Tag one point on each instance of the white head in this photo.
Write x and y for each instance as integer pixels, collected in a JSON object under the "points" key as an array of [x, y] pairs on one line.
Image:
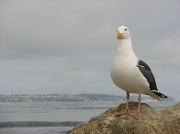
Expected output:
{"points": [[123, 33]]}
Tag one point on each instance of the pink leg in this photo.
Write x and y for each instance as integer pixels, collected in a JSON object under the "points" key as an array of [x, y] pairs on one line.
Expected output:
{"points": [[136, 114], [139, 102], [124, 110]]}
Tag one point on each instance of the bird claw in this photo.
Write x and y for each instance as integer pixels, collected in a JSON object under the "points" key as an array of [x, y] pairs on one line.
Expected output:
{"points": [[121, 112], [134, 114]]}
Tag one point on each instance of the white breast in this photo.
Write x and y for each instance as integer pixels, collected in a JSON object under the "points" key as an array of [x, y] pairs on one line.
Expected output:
{"points": [[126, 75]]}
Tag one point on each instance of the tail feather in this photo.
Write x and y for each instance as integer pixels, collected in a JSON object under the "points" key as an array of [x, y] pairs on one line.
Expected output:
{"points": [[157, 95]]}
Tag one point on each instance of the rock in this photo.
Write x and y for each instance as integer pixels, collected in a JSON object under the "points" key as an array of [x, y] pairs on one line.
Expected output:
{"points": [[151, 121]]}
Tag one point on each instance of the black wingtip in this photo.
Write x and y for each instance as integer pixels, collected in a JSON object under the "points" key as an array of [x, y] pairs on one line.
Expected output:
{"points": [[160, 94]]}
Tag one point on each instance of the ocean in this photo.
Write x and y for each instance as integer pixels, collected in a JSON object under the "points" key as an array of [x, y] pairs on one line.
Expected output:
{"points": [[55, 112]]}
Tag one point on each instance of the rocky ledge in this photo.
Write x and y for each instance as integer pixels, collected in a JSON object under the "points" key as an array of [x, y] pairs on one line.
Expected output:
{"points": [[151, 121]]}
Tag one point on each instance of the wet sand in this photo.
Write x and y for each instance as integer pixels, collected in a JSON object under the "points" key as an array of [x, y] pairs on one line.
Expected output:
{"points": [[35, 130], [38, 124], [31, 127]]}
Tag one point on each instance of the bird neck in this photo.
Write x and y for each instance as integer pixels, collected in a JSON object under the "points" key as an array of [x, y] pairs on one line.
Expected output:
{"points": [[124, 49]]}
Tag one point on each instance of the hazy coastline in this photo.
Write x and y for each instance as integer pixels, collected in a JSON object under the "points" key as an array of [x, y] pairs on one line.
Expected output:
{"points": [[71, 98]]}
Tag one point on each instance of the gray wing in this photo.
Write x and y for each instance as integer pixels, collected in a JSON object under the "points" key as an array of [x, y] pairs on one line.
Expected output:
{"points": [[146, 71]]}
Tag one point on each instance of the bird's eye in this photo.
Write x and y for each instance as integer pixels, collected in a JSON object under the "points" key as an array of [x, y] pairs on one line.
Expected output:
{"points": [[125, 29]]}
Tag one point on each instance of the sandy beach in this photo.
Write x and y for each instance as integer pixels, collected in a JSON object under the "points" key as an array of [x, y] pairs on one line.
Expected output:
{"points": [[35, 130], [31, 127]]}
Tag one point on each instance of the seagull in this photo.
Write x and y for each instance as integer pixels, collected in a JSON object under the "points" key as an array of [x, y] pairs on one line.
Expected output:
{"points": [[132, 74]]}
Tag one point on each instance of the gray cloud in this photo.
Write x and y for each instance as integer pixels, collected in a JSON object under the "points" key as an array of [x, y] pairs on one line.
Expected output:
{"points": [[67, 46]]}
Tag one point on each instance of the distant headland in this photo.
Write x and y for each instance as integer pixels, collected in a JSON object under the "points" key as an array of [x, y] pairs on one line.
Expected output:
{"points": [[71, 98]]}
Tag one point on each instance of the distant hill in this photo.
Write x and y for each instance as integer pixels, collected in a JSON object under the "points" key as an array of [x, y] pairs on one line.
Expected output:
{"points": [[71, 98]]}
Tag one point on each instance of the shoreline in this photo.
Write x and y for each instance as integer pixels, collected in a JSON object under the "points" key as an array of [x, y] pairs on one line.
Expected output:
{"points": [[39, 124]]}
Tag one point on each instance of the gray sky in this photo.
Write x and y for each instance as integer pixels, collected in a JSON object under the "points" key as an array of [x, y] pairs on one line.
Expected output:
{"points": [[67, 47]]}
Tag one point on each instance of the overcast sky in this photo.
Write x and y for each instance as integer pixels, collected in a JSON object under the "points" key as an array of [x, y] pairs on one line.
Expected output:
{"points": [[67, 47]]}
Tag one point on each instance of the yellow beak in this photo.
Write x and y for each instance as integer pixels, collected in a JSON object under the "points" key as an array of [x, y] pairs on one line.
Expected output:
{"points": [[119, 35]]}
